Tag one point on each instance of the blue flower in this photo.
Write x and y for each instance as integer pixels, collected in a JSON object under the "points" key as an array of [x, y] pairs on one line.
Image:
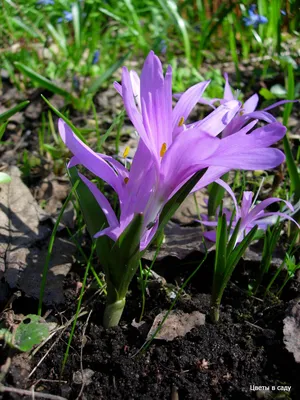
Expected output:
{"points": [[68, 17], [254, 19], [45, 2], [96, 57], [163, 47]]}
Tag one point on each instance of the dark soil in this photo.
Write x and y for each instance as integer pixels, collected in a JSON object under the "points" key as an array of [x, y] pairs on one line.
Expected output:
{"points": [[219, 361]]}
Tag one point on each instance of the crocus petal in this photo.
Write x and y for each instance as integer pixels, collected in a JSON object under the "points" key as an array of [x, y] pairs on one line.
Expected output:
{"points": [[187, 102], [187, 155], [228, 190], [279, 103], [227, 90], [264, 204], [256, 159], [135, 84], [131, 108], [136, 88], [210, 176], [246, 203], [118, 87], [217, 120], [148, 236], [156, 99], [117, 166], [88, 158], [207, 223], [251, 104], [102, 201], [113, 233], [237, 124], [244, 151], [260, 137], [261, 115], [210, 235], [270, 221]]}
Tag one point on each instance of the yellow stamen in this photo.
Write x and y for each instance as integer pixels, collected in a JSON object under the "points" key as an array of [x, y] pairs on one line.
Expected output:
{"points": [[163, 149], [181, 121], [126, 180], [126, 151]]}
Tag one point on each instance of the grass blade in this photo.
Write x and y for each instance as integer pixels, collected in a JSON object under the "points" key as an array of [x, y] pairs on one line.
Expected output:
{"points": [[42, 81], [291, 165], [95, 86], [9, 113], [60, 115], [50, 248]]}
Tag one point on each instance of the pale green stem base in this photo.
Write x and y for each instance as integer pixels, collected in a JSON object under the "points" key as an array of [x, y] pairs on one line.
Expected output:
{"points": [[215, 312], [113, 313]]}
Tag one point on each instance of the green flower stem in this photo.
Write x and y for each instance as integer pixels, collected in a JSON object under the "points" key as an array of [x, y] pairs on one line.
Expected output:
{"points": [[113, 312], [215, 311]]}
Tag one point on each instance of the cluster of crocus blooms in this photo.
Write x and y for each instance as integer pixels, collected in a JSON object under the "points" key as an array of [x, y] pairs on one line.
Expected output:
{"points": [[250, 215], [170, 150]]}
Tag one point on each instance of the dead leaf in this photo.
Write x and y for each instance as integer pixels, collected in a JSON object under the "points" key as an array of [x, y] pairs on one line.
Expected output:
{"points": [[34, 110], [179, 242], [54, 191], [291, 329], [22, 251], [177, 324], [187, 212], [85, 376], [60, 264]]}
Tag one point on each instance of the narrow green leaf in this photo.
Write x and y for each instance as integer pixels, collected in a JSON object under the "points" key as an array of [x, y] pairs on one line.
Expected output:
{"points": [[171, 9], [115, 122], [240, 249], [216, 194], [2, 129], [99, 81], [221, 251], [128, 255], [291, 165], [60, 115], [136, 21], [59, 38], [28, 29], [94, 217], [9, 113], [42, 81], [50, 248], [76, 23], [233, 238], [172, 205]]}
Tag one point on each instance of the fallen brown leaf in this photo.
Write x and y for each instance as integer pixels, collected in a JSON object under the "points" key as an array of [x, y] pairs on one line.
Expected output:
{"points": [[177, 324]]}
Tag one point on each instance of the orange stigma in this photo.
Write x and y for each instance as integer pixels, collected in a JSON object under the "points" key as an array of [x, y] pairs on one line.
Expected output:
{"points": [[163, 149], [181, 121]]}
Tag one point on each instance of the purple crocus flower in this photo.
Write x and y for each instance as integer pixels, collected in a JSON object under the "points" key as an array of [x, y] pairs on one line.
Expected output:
{"points": [[254, 19], [169, 152], [247, 111], [250, 215]]}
